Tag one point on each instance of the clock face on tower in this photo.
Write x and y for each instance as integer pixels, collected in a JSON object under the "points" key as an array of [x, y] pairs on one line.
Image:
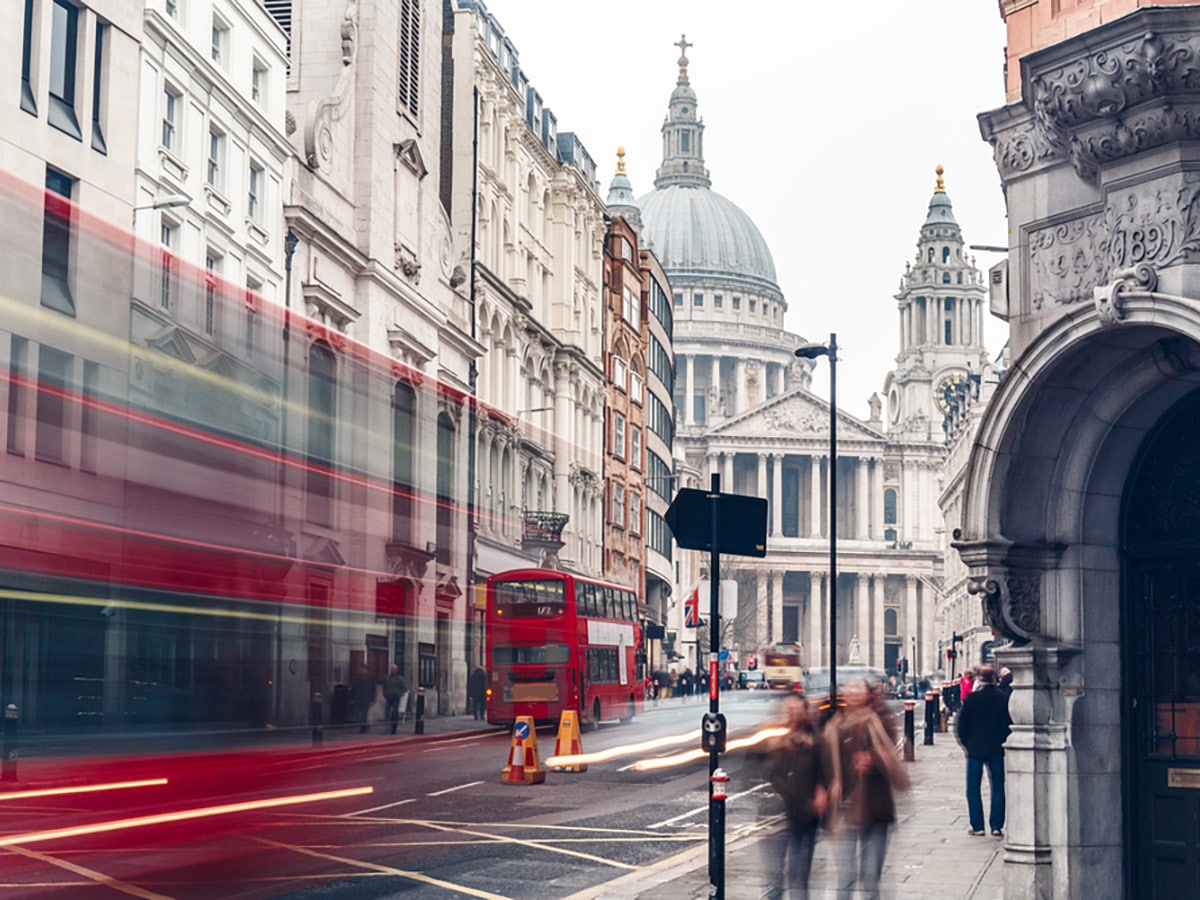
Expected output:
{"points": [[948, 389]]}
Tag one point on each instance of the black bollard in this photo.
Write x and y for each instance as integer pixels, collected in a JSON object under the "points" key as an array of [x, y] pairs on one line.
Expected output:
{"points": [[910, 733], [8, 770], [930, 716], [314, 717], [419, 726]]}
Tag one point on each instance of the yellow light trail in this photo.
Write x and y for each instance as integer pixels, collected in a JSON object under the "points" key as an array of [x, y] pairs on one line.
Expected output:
{"points": [[688, 756], [181, 816], [82, 789], [622, 750]]}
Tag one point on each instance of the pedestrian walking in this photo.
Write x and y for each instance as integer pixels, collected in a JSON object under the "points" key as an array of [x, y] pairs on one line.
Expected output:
{"points": [[966, 686], [866, 773], [394, 688], [362, 695], [1005, 682], [983, 727], [477, 692], [685, 683], [798, 770]]}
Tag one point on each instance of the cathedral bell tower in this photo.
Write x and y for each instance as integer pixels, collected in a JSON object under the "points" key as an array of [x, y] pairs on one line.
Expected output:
{"points": [[941, 306], [683, 134]]}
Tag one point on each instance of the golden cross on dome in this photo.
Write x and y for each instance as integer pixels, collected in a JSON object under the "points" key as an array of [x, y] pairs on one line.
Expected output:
{"points": [[940, 187], [620, 159]]}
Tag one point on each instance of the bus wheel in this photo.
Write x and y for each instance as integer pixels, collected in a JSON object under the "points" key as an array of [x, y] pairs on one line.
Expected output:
{"points": [[628, 717]]}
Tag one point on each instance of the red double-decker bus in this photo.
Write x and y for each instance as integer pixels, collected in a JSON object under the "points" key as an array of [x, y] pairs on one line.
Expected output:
{"points": [[559, 641]]}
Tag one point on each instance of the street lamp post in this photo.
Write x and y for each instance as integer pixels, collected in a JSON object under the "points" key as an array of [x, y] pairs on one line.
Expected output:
{"points": [[812, 351]]}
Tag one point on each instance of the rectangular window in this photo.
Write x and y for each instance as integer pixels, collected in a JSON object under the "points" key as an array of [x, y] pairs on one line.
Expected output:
{"points": [[56, 243], [697, 299], [18, 393], [98, 143], [28, 103], [737, 302], [172, 8], [258, 82], [635, 514], [948, 328], [252, 287], [619, 371], [53, 367], [89, 425], [635, 446], [212, 265], [254, 192], [718, 301], [171, 106], [220, 42], [679, 299], [64, 51], [617, 507], [216, 152], [618, 436], [753, 306], [167, 279], [685, 141], [636, 387], [410, 56]]}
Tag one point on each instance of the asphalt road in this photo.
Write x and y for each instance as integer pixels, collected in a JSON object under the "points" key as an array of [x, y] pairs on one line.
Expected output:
{"points": [[437, 821]]}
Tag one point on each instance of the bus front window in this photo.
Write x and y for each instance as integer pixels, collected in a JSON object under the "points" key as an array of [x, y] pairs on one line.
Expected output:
{"points": [[529, 598]]}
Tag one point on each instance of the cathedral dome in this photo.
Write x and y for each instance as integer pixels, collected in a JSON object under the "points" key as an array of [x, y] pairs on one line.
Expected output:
{"points": [[696, 230]]}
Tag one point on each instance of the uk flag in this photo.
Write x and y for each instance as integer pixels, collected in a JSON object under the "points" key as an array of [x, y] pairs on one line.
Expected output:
{"points": [[691, 610]]}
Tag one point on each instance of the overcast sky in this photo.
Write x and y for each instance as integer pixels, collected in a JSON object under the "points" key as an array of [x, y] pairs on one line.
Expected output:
{"points": [[823, 121]]}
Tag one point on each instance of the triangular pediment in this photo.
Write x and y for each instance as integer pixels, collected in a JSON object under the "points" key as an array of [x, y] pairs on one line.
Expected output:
{"points": [[794, 414], [410, 154], [173, 343]]}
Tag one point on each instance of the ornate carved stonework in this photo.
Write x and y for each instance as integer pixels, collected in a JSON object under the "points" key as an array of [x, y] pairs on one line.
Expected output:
{"points": [[1011, 603], [1067, 261], [807, 421], [1155, 224], [1108, 298]]}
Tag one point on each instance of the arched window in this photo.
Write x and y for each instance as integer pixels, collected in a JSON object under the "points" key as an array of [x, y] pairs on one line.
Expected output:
{"points": [[945, 254], [890, 625], [445, 486], [930, 254], [322, 386], [404, 429], [889, 506]]}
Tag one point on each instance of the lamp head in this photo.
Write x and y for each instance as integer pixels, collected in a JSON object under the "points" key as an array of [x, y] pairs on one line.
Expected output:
{"points": [[812, 351]]}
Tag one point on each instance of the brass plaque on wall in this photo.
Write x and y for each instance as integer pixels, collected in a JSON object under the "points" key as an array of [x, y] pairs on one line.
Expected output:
{"points": [[1183, 778]]}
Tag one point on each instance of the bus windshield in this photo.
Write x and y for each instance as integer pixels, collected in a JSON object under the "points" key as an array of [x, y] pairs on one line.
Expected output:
{"points": [[529, 598], [531, 654]]}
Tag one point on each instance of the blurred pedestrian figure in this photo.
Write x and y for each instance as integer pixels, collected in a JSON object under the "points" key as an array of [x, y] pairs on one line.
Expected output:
{"points": [[477, 692], [702, 684], [966, 685], [685, 683], [1005, 683], [866, 773], [798, 769], [394, 688], [983, 727], [362, 695]]}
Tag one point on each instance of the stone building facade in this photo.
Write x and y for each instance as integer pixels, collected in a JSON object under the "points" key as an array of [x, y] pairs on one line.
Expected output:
{"points": [[1076, 527], [538, 237]]}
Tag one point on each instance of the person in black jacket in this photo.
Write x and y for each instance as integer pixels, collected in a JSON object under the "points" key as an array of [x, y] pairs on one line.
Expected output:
{"points": [[983, 727]]}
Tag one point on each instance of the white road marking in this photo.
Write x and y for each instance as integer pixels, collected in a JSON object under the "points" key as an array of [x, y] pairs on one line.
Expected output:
{"points": [[702, 809], [98, 877], [436, 748], [363, 812], [448, 790]]}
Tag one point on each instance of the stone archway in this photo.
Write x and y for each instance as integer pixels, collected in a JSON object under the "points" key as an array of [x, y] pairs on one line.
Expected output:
{"points": [[1041, 535]]}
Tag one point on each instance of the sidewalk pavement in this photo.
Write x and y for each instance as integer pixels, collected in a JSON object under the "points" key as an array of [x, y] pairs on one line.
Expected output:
{"points": [[929, 855]]}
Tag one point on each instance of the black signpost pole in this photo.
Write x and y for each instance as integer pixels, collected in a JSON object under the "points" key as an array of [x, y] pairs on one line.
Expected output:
{"points": [[716, 805]]}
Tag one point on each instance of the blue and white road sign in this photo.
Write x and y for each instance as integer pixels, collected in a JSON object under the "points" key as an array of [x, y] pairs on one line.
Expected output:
{"points": [[521, 731]]}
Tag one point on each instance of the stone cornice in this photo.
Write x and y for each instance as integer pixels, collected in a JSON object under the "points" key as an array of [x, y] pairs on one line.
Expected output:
{"points": [[1123, 88]]}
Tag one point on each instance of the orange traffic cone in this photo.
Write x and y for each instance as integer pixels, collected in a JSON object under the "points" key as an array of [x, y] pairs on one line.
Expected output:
{"points": [[523, 764], [568, 743], [514, 772]]}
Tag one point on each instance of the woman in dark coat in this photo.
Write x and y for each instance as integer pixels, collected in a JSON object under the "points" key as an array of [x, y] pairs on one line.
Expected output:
{"points": [[797, 768]]}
